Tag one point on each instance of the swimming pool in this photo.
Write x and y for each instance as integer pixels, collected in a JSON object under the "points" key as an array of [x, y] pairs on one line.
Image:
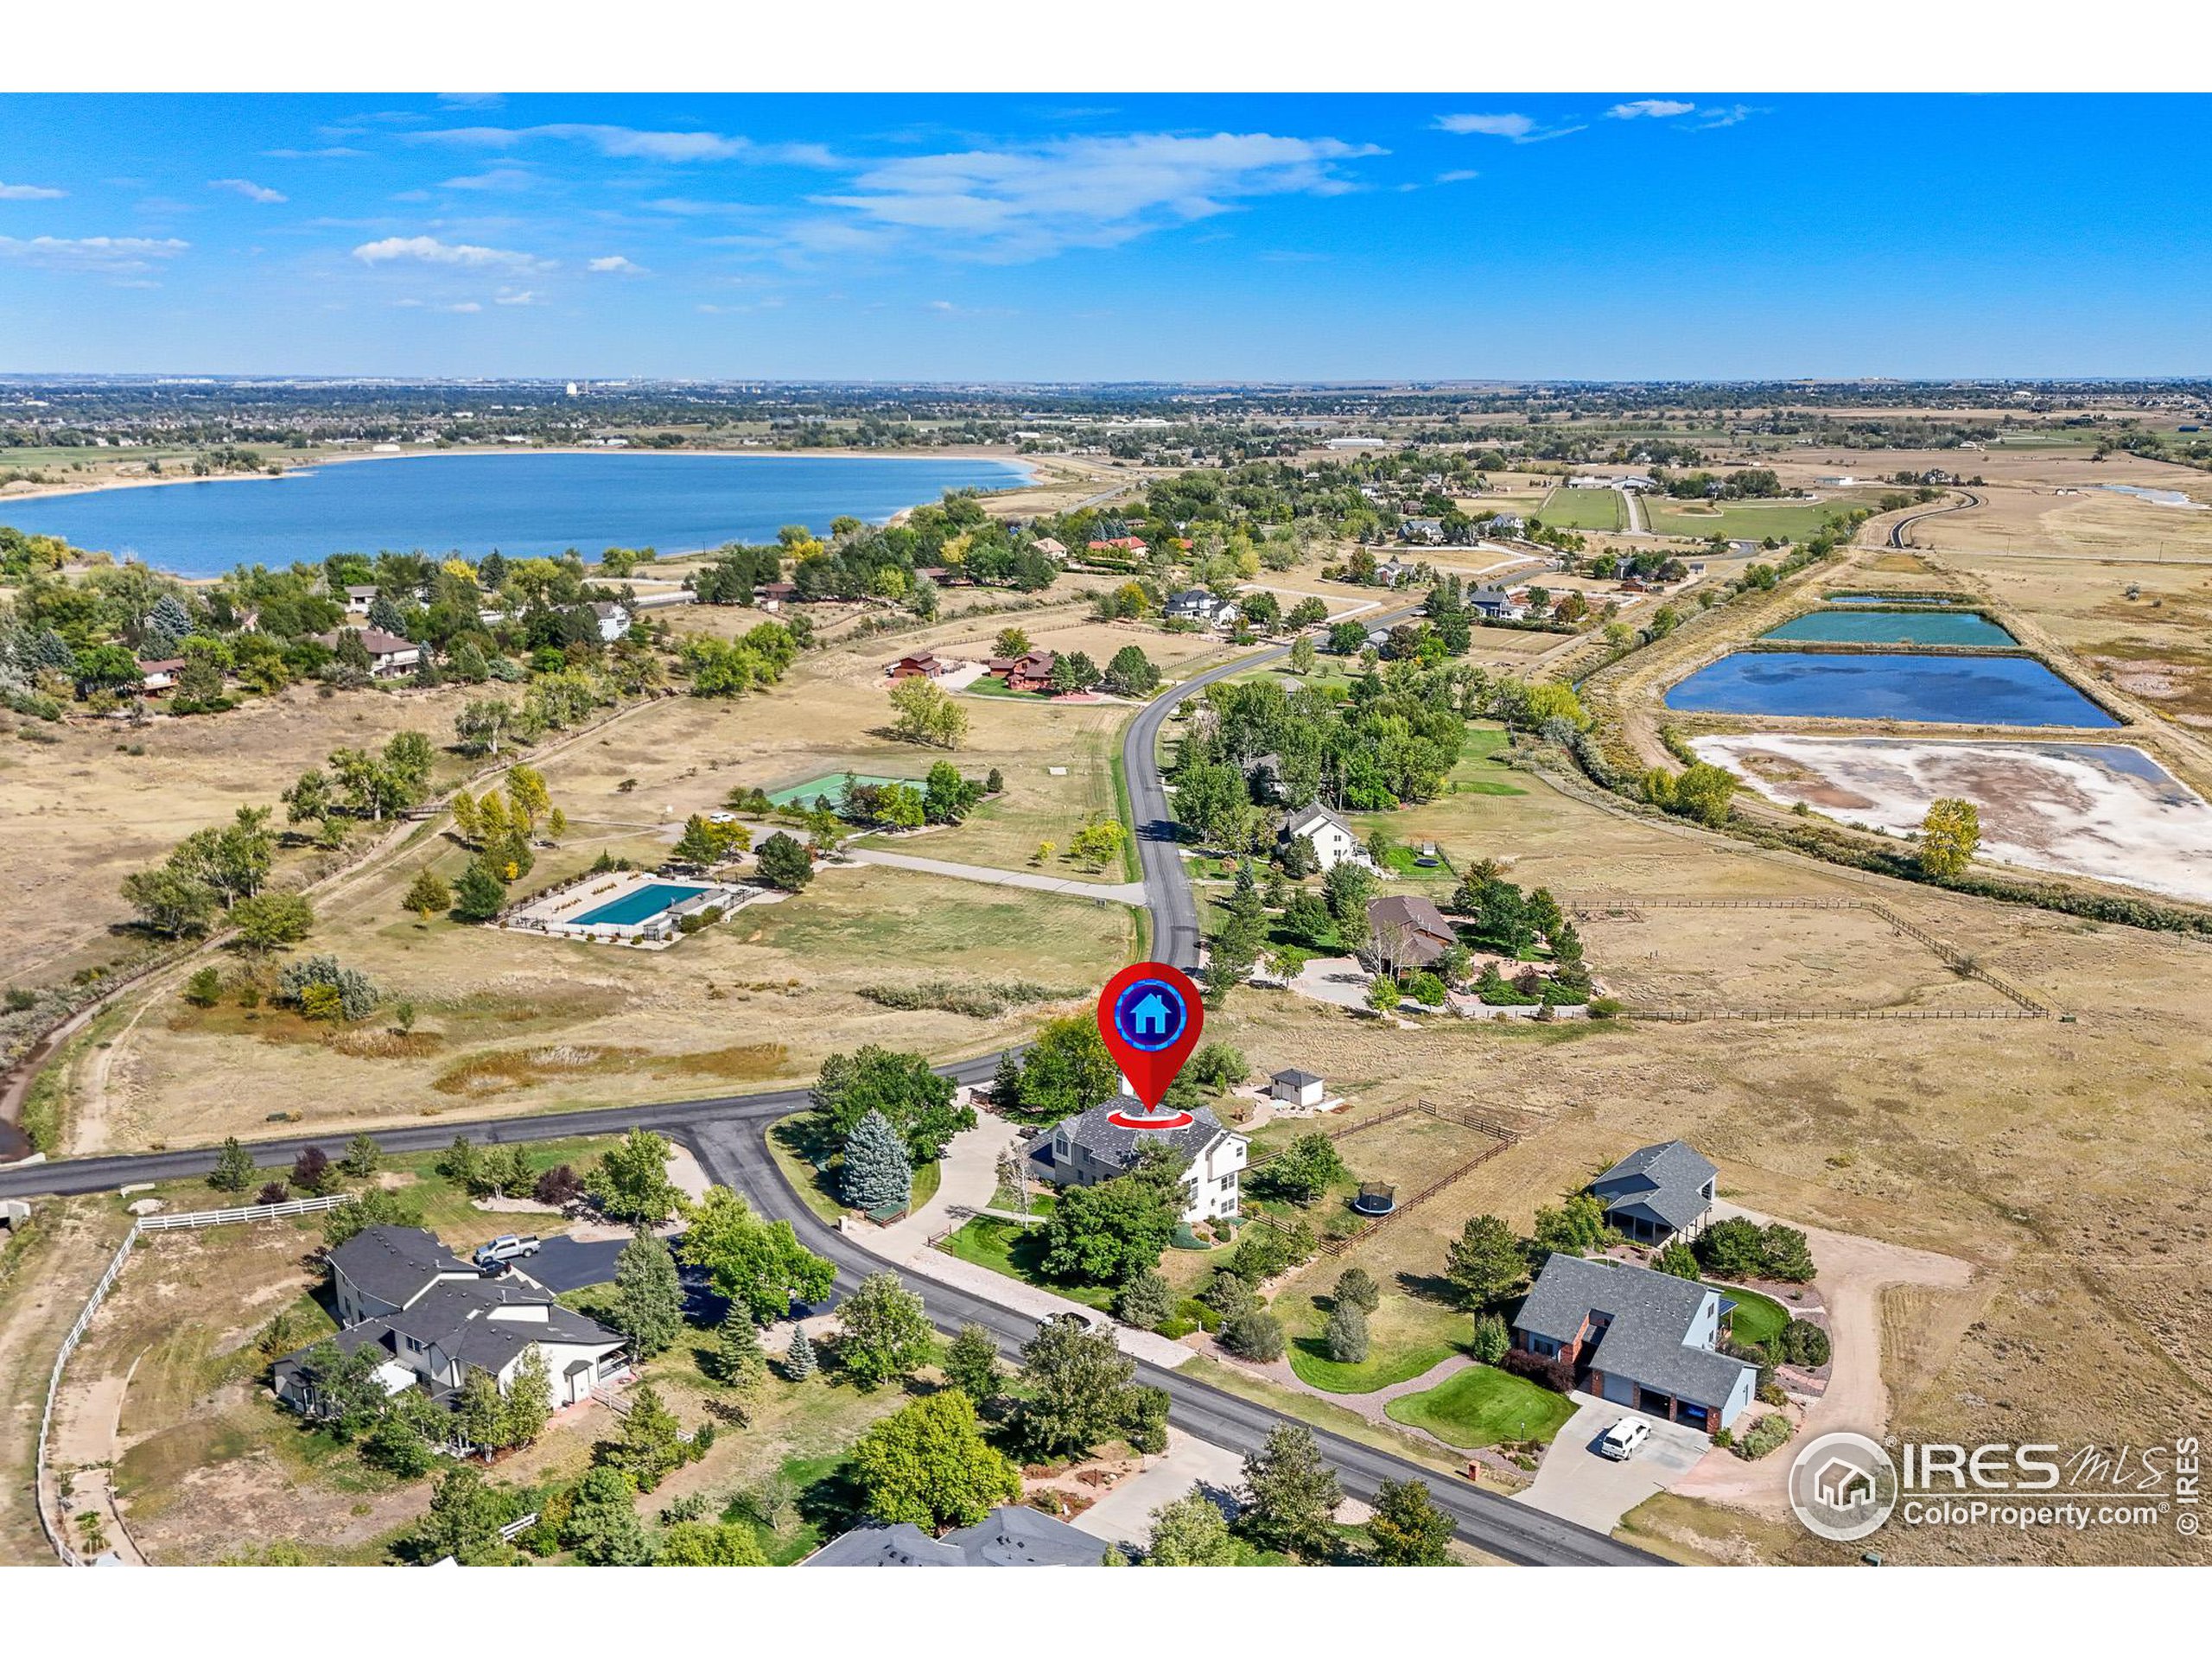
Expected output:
{"points": [[639, 905], [832, 785]]}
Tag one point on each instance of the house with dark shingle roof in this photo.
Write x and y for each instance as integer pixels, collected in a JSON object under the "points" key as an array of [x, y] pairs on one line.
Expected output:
{"points": [[1092, 1147], [1007, 1536], [1637, 1338], [1409, 930], [1658, 1192], [431, 1319]]}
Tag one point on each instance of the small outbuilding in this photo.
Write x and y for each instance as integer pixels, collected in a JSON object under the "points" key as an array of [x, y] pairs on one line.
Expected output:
{"points": [[1296, 1088]]}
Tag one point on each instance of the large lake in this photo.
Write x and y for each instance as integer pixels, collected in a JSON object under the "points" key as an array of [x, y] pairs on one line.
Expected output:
{"points": [[521, 505], [1866, 627], [1957, 690]]}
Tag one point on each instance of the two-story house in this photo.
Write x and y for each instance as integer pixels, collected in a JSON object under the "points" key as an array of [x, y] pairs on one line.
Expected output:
{"points": [[1658, 1192], [1100, 1144]]}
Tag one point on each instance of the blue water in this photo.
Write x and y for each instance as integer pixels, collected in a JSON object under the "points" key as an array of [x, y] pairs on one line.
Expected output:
{"points": [[1958, 690], [525, 505], [1871, 627], [636, 906]]}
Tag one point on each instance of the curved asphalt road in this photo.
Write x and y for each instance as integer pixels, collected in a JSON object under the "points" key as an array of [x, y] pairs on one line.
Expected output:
{"points": [[726, 1134], [1898, 531]]}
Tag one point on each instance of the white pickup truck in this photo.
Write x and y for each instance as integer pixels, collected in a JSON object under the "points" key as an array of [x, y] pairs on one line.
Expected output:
{"points": [[508, 1247]]}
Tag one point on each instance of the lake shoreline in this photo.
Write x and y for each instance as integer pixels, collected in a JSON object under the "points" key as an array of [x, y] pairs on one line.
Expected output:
{"points": [[958, 452]]}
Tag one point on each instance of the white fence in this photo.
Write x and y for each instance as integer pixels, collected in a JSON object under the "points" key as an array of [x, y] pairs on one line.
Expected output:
{"points": [[56, 1534]]}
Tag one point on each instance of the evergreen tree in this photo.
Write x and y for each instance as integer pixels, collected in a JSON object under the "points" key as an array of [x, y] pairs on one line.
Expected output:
{"points": [[1147, 1301], [877, 1174], [799, 1363], [648, 1297], [1346, 1334], [739, 1362], [530, 1399], [1291, 1496], [233, 1170], [652, 1442], [363, 1157], [602, 1526], [1356, 1286]]}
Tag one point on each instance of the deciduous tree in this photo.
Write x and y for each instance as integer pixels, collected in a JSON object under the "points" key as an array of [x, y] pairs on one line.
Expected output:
{"points": [[929, 1464]]}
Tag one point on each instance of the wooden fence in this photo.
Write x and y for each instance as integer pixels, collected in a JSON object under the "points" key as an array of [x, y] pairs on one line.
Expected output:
{"points": [[56, 1534], [1502, 1135]]}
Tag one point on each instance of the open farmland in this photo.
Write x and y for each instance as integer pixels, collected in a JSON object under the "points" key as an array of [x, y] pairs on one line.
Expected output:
{"points": [[1600, 510]]}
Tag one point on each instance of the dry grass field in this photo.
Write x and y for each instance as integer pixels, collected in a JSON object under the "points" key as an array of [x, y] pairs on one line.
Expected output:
{"points": [[79, 814]]}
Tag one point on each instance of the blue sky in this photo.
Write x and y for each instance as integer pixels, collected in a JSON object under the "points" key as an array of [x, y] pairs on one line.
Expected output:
{"points": [[1639, 235]]}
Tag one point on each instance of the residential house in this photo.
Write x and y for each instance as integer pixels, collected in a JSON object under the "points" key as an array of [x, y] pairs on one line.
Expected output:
{"points": [[1012, 1536], [1052, 548], [1428, 532], [919, 665], [613, 620], [1502, 524], [1092, 1147], [431, 1319], [390, 656], [358, 598], [1123, 546], [1296, 1088], [1496, 603], [1391, 572], [1197, 605], [1637, 1338], [1031, 673], [1334, 841], [775, 595], [1413, 932], [1658, 1192], [158, 674]]}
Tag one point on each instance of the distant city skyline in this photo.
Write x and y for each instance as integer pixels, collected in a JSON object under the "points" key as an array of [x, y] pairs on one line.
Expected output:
{"points": [[1643, 235]]}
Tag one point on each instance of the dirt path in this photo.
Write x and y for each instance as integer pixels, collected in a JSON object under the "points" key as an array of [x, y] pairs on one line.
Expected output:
{"points": [[87, 1442], [1854, 1271]]}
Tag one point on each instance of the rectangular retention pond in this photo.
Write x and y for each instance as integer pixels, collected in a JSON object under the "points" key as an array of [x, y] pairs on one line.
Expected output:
{"points": [[1888, 685], [1880, 627]]}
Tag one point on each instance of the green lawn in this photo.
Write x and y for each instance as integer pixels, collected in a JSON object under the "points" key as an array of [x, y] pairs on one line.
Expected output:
{"points": [[1796, 521], [1756, 1319], [1017, 1251], [1309, 1357], [1582, 510], [1482, 1406]]}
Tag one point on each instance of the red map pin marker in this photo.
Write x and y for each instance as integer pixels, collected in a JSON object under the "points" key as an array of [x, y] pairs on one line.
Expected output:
{"points": [[1150, 1015]]}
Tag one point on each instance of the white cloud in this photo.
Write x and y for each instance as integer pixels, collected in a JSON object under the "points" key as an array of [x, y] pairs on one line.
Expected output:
{"points": [[249, 190], [462, 306], [1519, 129], [30, 192], [1026, 203], [1655, 109], [615, 265], [495, 178], [516, 296], [635, 143], [108, 255], [1725, 117], [1457, 176], [428, 250], [328, 153]]}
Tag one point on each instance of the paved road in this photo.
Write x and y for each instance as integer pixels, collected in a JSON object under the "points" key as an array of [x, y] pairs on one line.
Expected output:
{"points": [[1898, 536], [735, 1155], [1113, 892], [1173, 908]]}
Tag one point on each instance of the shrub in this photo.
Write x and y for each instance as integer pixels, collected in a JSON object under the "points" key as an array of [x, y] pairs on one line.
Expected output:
{"points": [[1557, 1373], [351, 994], [1355, 1287], [1730, 1248], [273, 1192], [1803, 1343], [1255, 1335], [202, 989], [1784, 1253], [1492, 1340], [558, 1187], [1346, 1334], [1770, 1431]]}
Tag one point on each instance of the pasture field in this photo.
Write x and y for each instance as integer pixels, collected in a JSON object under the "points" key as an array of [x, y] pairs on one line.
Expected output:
{"points": [[1599, 509], [1750, 520]]}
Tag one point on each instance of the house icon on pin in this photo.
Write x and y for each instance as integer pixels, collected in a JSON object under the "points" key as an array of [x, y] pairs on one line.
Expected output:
{"points": [[1149, 1017]]}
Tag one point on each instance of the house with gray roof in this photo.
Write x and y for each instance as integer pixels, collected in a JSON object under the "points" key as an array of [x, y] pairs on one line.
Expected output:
{"points": [[430, 1319], [1658, 1192], [1007, 1536], [1332, 840], [1103, 1142], [1637, 1338]]}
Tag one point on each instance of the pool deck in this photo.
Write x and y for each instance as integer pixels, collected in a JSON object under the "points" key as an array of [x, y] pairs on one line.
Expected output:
{"points": [[562, 914]]}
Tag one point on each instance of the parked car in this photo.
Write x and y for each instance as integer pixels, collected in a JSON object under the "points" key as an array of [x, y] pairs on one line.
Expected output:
{"points": [[1624, 1440], [505, 1249]]}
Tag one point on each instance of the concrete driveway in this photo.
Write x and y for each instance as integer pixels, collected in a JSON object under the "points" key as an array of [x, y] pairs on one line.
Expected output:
{"points": [[1123, 1517], [1576, 1483]]}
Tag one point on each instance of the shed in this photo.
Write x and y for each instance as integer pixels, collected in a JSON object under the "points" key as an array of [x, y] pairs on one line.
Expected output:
{"points": [[1296, 1088]]}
